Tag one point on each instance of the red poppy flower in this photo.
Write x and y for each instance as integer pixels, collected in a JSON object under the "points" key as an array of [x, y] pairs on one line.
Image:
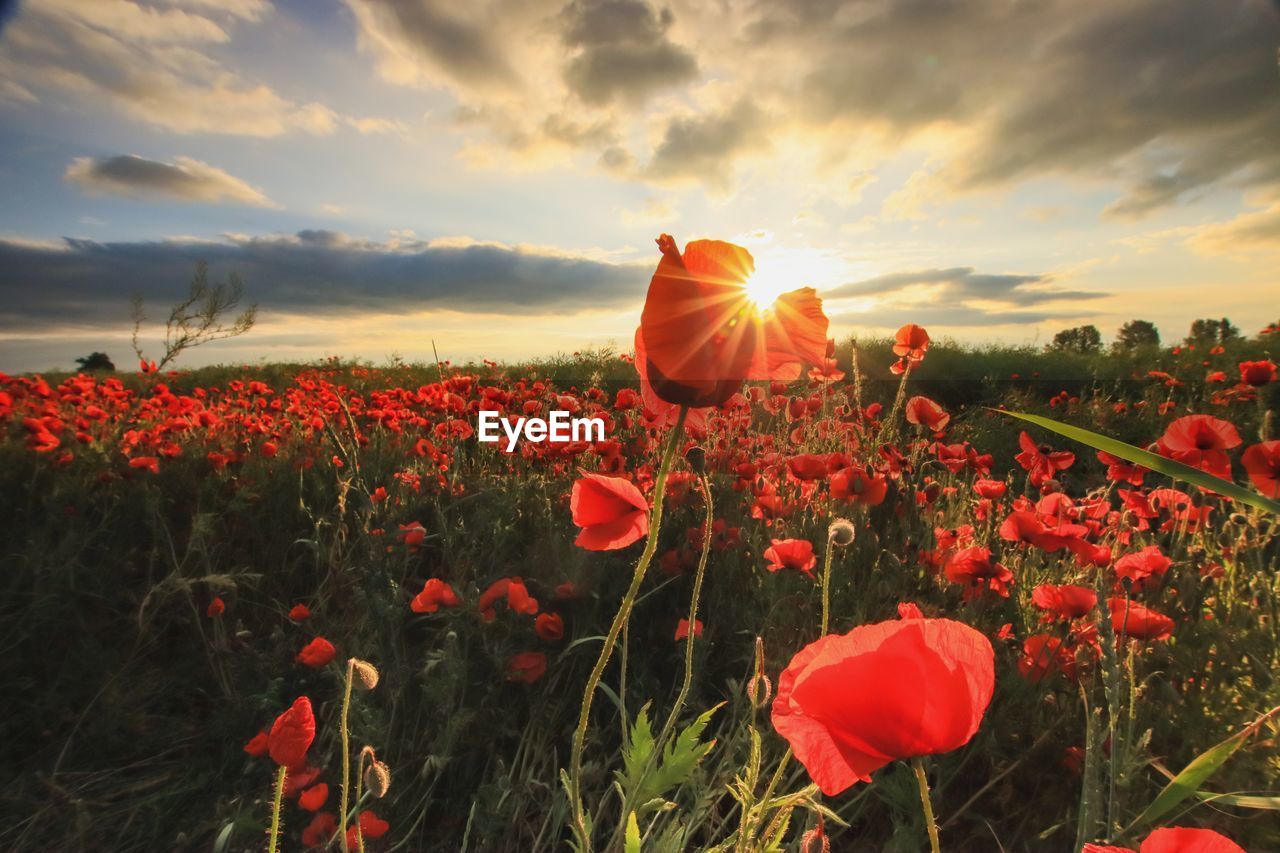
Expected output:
{"points": [[911, 342], [371, 828], [1262, 462], [1257, 373], [526, 666], [320, 830], [412, 535], [790, 554], [513, 591], [610, 510], [313, 798], [549, 626], [849, 704], [216, 607], [1202, 442], [701, 336], [317, 653], [859, 486], [682, 629], [1043, 655], [1026, 526], [1067, 601], [435, 594], [974, 568], [924, 412], [257, 745], [808, 466], [992, 490], [291, 734], [1185, 839], [299, 613], [1134, 620], [151, 463], [1041, 462], [1141, 567]]}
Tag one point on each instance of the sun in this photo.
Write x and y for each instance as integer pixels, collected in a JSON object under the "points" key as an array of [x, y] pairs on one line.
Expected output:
{"points": [[779, 271]]}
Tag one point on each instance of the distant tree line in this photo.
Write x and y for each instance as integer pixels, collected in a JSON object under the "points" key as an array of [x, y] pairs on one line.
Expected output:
{"points": [[1137, 335]]}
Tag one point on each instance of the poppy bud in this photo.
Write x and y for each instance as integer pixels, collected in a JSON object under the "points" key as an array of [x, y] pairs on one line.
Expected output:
{"points": [[377, 776], [366, 672], [697, 459], [759, 688], [1197, 499], [1239, 519], [815, 840], [841, 532]]}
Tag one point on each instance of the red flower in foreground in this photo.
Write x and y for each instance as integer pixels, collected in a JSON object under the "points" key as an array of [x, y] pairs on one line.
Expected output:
{"points": [[1141, 623], [316, 653], [1040, 461], [1201, 442], [1262, 462], [527, 667], [610, 510], [257, 745], [1067, 601], [790, 554], [435, 594], [859, 486], [1176, 839], [924, 412], [849, 704], [701, 336], [291, 734], [974, 568]]}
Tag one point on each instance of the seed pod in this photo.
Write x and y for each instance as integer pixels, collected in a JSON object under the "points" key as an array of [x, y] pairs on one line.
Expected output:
{"points": [[366, 672], [841, 532], [697, 459]]}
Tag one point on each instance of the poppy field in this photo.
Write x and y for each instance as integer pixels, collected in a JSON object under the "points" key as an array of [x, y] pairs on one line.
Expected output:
{"points": [[806, 594]]}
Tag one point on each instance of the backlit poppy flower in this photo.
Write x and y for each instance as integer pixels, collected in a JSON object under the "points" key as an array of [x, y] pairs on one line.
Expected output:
{"points": [[1040, 461], [1175, 839], [291, 734], [859, 486], [549, 626], [320, 830], [371, 828], [1066, 601], [412, 535], [316, 653], [911, 342], [527, 667], [313, 798], [924, 412], [1262, 462], [1134, 620], [435, 594], [1026, 526], [513, 591], [682, 629], [808, 466], [850, 704], [975, 570], [216, 607], [610, 510], [1144, 566], [299, 613], [1121, 471], [790, 554], [1043, 655], [1202, 442], [701, 336], [1257, 373], [150, 463]]}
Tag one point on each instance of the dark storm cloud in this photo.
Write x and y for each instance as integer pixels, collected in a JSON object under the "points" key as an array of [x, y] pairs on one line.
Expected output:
{"points": [[962, 284], [702, 147], [624, 51], [84, 283]]}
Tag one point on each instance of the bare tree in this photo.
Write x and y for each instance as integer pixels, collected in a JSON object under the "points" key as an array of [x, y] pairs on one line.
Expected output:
{"points": [[202, 317]]}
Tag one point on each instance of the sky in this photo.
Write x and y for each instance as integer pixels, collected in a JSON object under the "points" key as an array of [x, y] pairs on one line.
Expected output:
{"points": [[490, 176]]}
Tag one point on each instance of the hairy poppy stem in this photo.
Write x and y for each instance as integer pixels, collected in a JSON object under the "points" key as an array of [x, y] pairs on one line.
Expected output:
{"points": [[574, 785], [274, 835], [346, 757], [826, 587], [930, 824]]}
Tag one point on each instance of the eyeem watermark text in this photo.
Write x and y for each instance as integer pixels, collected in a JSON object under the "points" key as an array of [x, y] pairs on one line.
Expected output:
{"points": [[560, 427]]}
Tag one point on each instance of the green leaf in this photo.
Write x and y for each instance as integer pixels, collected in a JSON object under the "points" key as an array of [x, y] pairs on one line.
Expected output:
{"points": [[678, 759], [1154, 461], [632, 843], [1188, 782], [1243, 801]]}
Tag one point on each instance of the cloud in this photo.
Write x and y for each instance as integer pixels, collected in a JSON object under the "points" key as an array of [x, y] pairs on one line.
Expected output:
{"points": [[958, 317], [315, 273], [624, 52], [155, 64], [185, 180], [959, 285], [701, 148], [1255, 231]]}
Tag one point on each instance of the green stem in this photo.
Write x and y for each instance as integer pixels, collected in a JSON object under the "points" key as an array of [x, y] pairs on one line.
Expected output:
{"points": [[274, 835], [578, 815], [826, 587], [346, 758], [930, 824]]}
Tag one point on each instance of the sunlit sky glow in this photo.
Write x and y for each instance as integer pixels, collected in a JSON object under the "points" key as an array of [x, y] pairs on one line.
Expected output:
{"points": [[491, 175]]}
